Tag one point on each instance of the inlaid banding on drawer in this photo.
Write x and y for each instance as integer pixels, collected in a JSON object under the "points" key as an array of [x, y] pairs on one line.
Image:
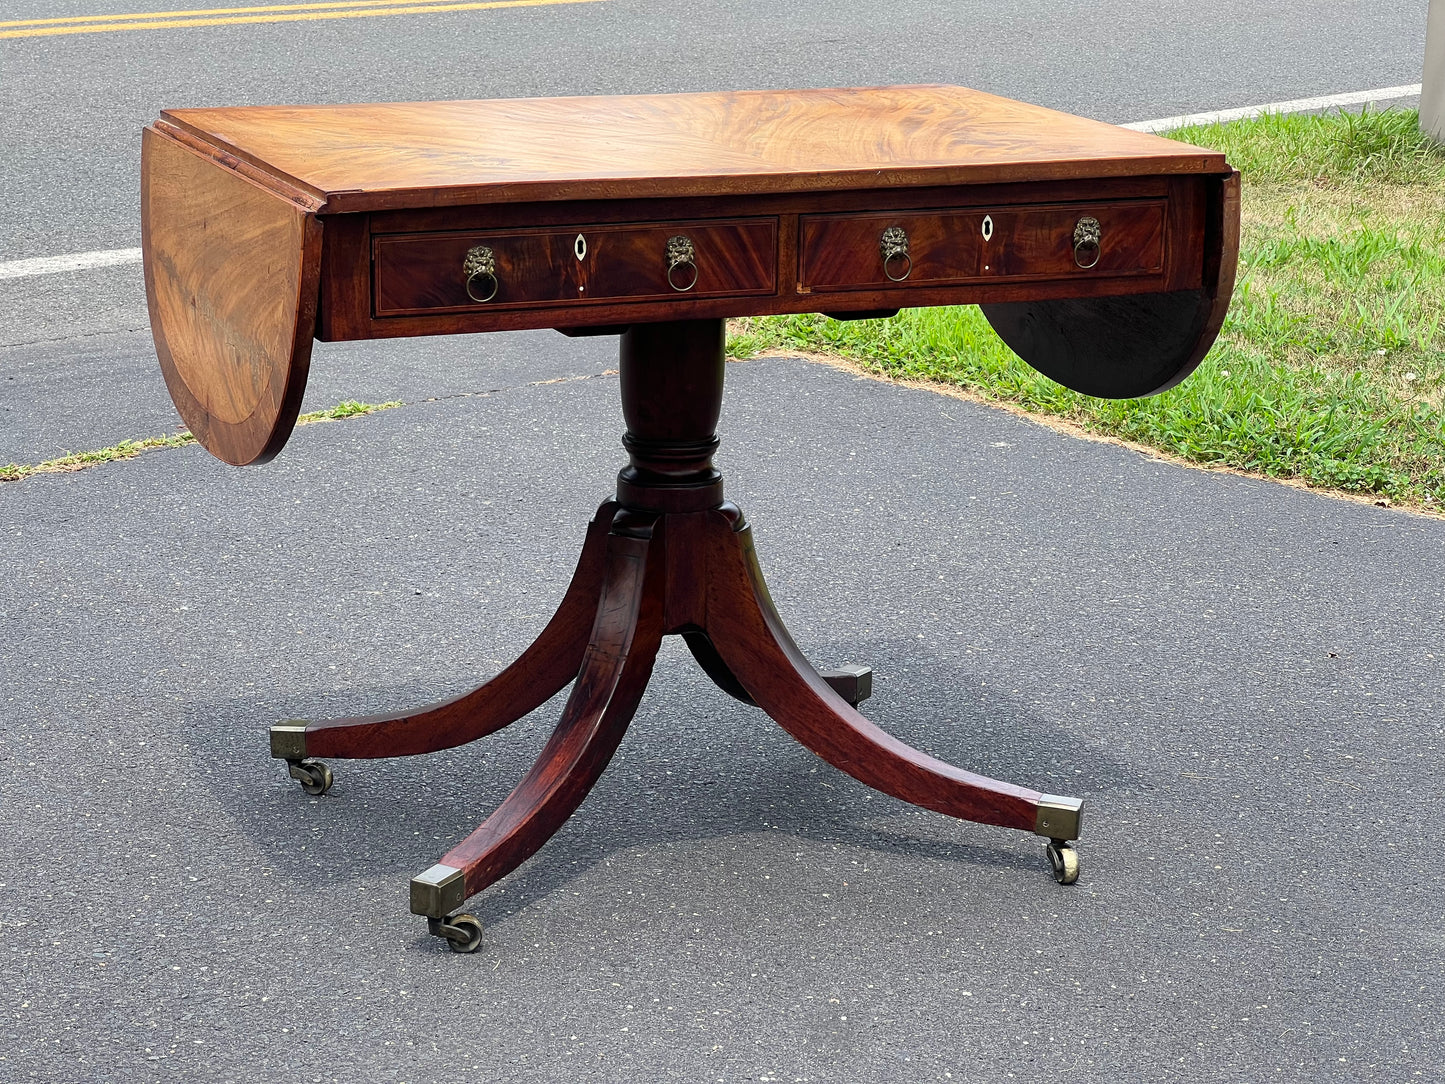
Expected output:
{"points": [[985, 244], [420, 273]]}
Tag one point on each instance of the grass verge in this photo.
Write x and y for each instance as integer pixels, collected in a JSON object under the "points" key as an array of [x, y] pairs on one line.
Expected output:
{"points": [[129, 449], [1330, 368]]}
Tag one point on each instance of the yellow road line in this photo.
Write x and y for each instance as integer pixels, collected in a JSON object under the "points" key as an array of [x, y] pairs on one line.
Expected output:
{"points": [[138, 15], [281, 14]]}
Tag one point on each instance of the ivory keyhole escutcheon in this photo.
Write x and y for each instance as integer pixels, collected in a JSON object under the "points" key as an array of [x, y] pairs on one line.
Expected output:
{"points": [[579, 246], [987, 227]]}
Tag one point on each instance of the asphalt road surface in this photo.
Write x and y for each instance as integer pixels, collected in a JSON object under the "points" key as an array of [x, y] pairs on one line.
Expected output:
{"points": [[1242, 680]]}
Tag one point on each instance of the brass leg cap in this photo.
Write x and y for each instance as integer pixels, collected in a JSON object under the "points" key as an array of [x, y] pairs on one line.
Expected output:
{"points": [[288, 740], [438, 892], [853, 683], [1058, 817]]}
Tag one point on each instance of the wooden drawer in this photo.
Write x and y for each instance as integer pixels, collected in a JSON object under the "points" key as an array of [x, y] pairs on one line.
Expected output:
{"points": [[421, 273], [843, 252]]}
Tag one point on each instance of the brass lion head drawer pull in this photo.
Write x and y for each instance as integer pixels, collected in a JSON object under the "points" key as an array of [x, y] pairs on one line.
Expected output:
{"points": [[893, 246], [680, 253], [1087, 236], [481, 271]]}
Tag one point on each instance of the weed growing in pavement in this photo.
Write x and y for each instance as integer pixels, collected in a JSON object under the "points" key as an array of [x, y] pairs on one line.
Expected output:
{"points": [[1330, 368], [129, 449]]}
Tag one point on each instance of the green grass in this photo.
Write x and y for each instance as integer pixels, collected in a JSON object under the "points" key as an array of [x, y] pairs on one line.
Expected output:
{"points": [[1330, 368], [129, 449]]}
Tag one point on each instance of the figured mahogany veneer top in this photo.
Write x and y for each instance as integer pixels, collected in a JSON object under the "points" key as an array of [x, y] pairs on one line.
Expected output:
{"points": [[429, 154]]}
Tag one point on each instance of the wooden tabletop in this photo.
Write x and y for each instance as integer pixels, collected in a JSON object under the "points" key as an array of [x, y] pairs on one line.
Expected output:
{"points": [[428, 154]]}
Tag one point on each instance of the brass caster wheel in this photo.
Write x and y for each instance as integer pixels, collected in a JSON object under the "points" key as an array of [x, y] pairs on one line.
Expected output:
{"points": [[313, 775], [1063, 860], [463, 932]]}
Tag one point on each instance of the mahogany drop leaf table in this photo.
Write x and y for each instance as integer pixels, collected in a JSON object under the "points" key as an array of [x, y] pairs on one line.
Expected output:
{"points": [[1104, 257]]}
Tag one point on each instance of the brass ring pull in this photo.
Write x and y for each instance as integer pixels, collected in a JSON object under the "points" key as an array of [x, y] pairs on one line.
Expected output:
{"points": [[481, 264], [1087, 236], [680, 253], [893, 246]]}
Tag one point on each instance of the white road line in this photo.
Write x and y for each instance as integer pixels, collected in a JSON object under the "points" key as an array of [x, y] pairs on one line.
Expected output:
{"points": [[85, 261], [77, 261], [1298, 105]]}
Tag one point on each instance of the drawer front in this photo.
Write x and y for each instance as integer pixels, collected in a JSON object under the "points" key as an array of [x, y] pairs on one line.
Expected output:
{"points": [[847, 252], [420, 273]]}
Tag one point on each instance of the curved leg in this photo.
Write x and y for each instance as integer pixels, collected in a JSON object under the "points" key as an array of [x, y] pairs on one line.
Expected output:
{"points": [[625, 638], [711, 662], [751, 638], [542, 671], [853, 683]]}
